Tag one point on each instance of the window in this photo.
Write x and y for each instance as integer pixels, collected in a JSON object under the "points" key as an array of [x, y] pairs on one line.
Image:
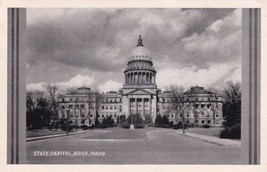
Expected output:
{"points": [[91, 115], [172, 115], [82, 106], [208, 121], [103, 116], [111, 107], [115, 107], [103, 107], [63, 107], [203, 121]]}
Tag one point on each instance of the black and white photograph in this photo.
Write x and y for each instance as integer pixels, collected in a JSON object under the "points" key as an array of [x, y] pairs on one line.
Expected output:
{"points": [[133, 86]]}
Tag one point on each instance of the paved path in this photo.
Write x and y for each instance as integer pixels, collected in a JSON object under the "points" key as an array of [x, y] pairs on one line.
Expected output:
{"points": [[211, 139], [160, 146]]}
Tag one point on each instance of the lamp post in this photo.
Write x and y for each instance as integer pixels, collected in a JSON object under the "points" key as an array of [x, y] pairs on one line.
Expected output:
{"points": [[76, 121], [67, 123], [42, 122]]}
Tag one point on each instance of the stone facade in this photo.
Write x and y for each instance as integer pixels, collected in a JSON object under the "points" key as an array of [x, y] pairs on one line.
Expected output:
{"points": [[140, 95]]}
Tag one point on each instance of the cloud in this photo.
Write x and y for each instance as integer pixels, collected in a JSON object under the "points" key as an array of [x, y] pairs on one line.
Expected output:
{"points": [[75, 82], [215, 76], [110, 85], [63, 44]]}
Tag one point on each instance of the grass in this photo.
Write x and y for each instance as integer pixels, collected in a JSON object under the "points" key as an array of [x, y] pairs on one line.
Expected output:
{"points": [[44, 132], [120, 133], [214, 132]]}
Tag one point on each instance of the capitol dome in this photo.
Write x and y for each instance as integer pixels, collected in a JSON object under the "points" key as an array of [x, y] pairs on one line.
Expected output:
{"points": [[140, 52], [140, 69]]}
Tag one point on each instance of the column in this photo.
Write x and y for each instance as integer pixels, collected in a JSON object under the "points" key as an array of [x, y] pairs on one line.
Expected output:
{"points": [[150, 104], [144, 77], [136, 106], [138, 77], [129, 109], [152, 77], [143, 107], [132, 76]]}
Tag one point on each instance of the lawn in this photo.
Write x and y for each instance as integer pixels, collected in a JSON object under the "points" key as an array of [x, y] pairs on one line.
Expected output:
{"points": [[215, 132], [120, 133], [44, 132]]}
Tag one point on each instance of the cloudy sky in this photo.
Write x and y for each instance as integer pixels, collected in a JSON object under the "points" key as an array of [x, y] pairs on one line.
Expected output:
{"points": [[91, 47]]}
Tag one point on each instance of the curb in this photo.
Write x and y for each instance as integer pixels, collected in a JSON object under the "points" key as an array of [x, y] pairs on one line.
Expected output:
{"points": [[51, 136], [214, 140]]}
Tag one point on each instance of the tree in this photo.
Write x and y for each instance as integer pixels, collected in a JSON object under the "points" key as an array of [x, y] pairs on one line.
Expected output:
{"points": [[53, 102], [232, 104], [93, 102], [177, 106], [158, 121], [37, 110], [136, 120], [232, 111]]}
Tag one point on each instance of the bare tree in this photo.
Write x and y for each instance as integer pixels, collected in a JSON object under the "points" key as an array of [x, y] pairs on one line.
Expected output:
{"points": [[53, 102], [93, 101], [177, 105], [37, 109]]}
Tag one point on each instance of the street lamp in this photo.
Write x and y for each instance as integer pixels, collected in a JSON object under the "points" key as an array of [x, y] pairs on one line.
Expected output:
{"points": [[76, 122], [42, 122], [67, 123]]}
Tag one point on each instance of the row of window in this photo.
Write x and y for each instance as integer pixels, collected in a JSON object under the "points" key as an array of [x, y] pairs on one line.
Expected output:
{"points": [[191, 99], [111, 100], [73, 106], [110, 107]]}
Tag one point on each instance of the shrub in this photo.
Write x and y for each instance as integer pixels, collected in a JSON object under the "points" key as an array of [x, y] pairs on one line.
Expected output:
{"points": [[233, 132], [64, 127], [135, 118], [125, 125], [158, 121], [175, 126], [140, 125], [150, 125], [84, 127], [205, 126]]}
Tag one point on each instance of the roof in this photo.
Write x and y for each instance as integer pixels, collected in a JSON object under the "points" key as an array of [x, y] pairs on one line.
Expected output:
{"points": [[140, 52], [198, 90]]}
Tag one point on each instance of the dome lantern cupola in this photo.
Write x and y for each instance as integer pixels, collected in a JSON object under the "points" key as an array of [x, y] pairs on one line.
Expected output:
{"points": [[140, 41]]}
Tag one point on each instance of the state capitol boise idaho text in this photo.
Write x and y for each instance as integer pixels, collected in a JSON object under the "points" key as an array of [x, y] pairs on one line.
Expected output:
{"points": [[68, 153]]}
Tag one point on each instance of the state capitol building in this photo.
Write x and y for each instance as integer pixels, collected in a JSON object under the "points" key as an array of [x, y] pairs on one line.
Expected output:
{"points": [[140, 95]]}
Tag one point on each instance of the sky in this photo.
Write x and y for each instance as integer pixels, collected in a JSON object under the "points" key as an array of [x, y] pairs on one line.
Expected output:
{"points": [[91, 47]]}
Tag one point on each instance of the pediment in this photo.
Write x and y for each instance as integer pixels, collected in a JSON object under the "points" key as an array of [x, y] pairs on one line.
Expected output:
{"points": [[139, 92]]}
